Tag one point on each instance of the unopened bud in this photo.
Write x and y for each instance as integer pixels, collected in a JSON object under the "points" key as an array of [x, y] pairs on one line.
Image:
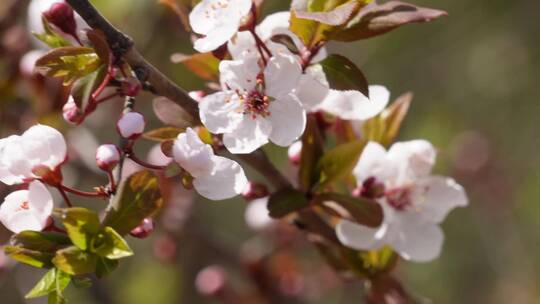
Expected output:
{"points": [[131, 125], [211, 281], [144, 229], [131, 87], [197, 95], [71, 112], [254, 191], [107, 157], [295, 152], [62, 16]]}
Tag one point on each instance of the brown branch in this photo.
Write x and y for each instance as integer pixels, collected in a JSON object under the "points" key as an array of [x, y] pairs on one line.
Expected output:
{"points": [[123, 48]]}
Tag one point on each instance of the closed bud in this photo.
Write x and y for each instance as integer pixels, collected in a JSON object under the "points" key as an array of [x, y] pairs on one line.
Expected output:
{"points": [[131, 87], [144, 229], [295, 152], [107, 157], [71, 112], [131, 125], [254, 191], [197, 95], [62, 16], [211, 281]]}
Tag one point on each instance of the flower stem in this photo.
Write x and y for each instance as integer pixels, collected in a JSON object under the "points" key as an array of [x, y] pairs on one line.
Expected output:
{"points": [[141, 162], [112, 182], [64, 196], [64, 189]]}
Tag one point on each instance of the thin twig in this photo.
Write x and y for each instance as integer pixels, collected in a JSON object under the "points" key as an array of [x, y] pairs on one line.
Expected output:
{"points": [[64, 196]]}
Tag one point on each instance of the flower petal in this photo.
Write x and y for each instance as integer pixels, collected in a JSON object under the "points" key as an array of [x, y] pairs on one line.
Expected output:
{"points": [[13, 202], [281, 75], [288, 120], [360, 237], [22, 221], [415, 159], [437, 196], [351, 105], [256, 214], [312, 88], [418, 241], [242, 45], [227, 180], [192, 154], [40, 200], [51, 144], [239, 74], [249, 135], [373, 163], [220, 113]]}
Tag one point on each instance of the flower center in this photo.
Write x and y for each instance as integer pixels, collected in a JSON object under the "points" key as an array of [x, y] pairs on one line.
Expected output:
{"points": [[399, 198], [25, 206], [255, 103]]}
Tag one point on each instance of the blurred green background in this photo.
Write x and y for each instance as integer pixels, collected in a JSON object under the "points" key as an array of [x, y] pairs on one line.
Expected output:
{"points": [[475, 79]]}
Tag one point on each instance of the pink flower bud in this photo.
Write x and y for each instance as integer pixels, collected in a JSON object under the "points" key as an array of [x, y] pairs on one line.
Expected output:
{"points": [[197, 95], [294, 152], [131, 87], [255, 191], [71, 112], [131, 125], [144, 229], [61, 15], [211, 281], [107, 157]]}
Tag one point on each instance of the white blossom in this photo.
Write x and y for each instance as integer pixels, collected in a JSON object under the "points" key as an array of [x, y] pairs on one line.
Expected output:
{"points": [[39, 146], [256, 214], [27, 209], [214, 177], [218, 21], [255, 107], [131, 125], [414, 202]]}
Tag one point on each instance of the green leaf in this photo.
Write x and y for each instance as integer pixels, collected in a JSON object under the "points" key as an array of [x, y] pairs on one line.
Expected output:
{"points": [[111, 245], [55, 281], [74, 261], [385, 127], [380, 19], [39, 241], [314, 21], [138, 197], [30, 257], [287, 41], [339, 162], [312, 150], [101, 47], [81, 224], [70, 62], [342, 74], [204, 65], [163, 134], [82, 282], [105, 267], [286, 201], [51, 37], [363, 211], [84, 87]]}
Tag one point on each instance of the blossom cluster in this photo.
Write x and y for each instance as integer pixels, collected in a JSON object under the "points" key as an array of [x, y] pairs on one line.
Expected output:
{"points": [[273, 87]]}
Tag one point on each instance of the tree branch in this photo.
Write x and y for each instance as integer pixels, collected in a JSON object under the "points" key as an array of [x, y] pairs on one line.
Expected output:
{"points": [[123, 48]]}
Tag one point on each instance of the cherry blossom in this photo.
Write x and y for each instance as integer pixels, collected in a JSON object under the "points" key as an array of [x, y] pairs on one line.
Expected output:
{"points": [[255, 107], [414, 201], [27, 209], [131, 125], [214, 177], [218, 21], [40, 147]]}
